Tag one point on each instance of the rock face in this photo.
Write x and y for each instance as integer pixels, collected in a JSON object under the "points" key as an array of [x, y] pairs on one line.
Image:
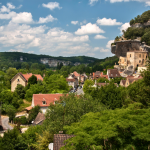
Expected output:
{"points": [[122, 47]]}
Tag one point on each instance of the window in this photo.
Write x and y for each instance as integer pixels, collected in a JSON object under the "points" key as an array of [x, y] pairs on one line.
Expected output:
{"points": [[139, 61], [130, 55], [140, 55], [146, 56], [18, 80], [44, 102]]}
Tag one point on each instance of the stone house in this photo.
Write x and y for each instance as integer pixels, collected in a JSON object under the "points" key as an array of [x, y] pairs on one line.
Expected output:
{"points": [[44, 100], [113, 73], [130, 80], [22, 79], [122, 82]]}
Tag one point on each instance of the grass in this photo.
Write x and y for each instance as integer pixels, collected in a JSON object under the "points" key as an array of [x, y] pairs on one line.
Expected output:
{"points": [[24, 105]]}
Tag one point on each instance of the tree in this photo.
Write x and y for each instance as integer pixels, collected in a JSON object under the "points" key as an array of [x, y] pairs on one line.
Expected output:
{"points": [[87, 88], [20, 91], [113, 129], [11, 112], [102, 80], [33, 113], [32, 80]]}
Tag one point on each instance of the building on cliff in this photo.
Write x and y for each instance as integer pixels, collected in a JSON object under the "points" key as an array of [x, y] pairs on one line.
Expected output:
{"points": [[132, 54]]}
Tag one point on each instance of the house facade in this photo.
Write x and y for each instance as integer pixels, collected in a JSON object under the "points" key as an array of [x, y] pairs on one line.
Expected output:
{"points": [[44, 100], [113, 73], [22, 79]]}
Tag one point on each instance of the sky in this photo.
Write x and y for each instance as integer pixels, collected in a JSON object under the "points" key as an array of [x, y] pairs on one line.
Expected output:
{"points": [[65, 27]]}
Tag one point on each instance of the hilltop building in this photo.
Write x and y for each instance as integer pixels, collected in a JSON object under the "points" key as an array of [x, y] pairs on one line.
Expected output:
{"points": [[22, 79]]}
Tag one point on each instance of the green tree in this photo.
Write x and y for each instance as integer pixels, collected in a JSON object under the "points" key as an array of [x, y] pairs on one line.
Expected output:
{"points": [[20, 91], [113, 129], [102, 80], [32, 80], [88, 86], [11, 112]]}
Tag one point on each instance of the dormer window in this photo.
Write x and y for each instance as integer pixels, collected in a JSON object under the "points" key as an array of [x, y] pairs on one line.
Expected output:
{"points": [[44, 102]]}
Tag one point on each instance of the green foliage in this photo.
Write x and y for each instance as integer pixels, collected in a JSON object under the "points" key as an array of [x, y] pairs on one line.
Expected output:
{"points": [[20, 91], [33, 113], [12, 141], [10, 111], [32, 80], [6, 96], [88, 86], [117, 80], [113, 129], [146, 38], [141, 18], [22, 120], [102, 80]]}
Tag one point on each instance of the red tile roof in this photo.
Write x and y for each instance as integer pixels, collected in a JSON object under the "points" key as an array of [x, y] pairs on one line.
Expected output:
{"points": [[28, 108], [76, 74], [104, 76], [70, 80], [28, 75], [48, 98]]}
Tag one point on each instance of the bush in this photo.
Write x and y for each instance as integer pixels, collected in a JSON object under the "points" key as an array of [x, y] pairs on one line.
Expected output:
{"points": [[23, 120]]}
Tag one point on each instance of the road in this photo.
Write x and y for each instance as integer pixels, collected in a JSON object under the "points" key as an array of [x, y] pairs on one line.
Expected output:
{"points": [[79, 91], [5, 124]]}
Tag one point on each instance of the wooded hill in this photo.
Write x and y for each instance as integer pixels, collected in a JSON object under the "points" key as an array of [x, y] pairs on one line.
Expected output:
{"points": [[15, 56]]}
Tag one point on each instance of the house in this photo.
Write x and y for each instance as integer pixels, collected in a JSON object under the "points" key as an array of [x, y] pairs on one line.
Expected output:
{"points": [[130, 80], [72, 81], [113, 73], [104, 76], [96, 75], [83, 77], [22, 79], [122, 82], [39, 119], [44, 100], [77, 75], [59, 140]]}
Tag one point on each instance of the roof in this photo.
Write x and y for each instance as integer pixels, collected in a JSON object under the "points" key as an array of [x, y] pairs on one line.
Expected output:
{"points": [[76, 74], [28, 75], [123, 82], [59, 140], [103, 84], [39, 119], [29, 108], [131, 80], [70, 80], [25, 77], [104, 76], [97, 73], [48, 98], [113, 73]]}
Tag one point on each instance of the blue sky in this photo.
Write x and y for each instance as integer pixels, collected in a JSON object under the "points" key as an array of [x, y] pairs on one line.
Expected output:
{"points": [[65, 27]]}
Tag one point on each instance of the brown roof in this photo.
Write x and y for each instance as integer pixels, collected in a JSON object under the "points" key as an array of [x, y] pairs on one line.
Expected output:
{"points": [[102, 84], [97, 73], [59, 140], [70, 80], [123, 82], [28, 108], [131, 80], [113, 73], [39, 119], [48, 98]]}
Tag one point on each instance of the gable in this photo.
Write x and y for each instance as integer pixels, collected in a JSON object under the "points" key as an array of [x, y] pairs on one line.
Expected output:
{"points": [[18, 75]]}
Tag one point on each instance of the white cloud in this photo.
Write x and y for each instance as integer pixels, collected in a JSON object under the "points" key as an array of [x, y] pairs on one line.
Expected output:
{"points": [[8, 16], [104, 50], [92, 2], [30, 52], [89, 29], [23, 17], [99, 37], [101, 49], [67, 25], [52, 5], [49, 18], [83, 22], [124, 27], [108, 22], [15, 50], [147, 2], [10, 6], [19, 6], [74, 22], [109, 43]]}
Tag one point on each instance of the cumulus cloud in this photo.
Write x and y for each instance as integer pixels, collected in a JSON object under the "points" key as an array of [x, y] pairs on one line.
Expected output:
{"points": [[15, 50], [8, 15], [108, 22], [83, 22], [89, 29], [99, 37], [92, 2], [23, 17], [52, 5], [8, 8], [124, 27], [74, 22], [49, 18], [147, 2], [101, 49], [109, 43]]}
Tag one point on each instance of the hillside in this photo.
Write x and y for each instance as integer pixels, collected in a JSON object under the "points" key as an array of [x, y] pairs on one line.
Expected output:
{"points": [[140, 29], [26, 57]]}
